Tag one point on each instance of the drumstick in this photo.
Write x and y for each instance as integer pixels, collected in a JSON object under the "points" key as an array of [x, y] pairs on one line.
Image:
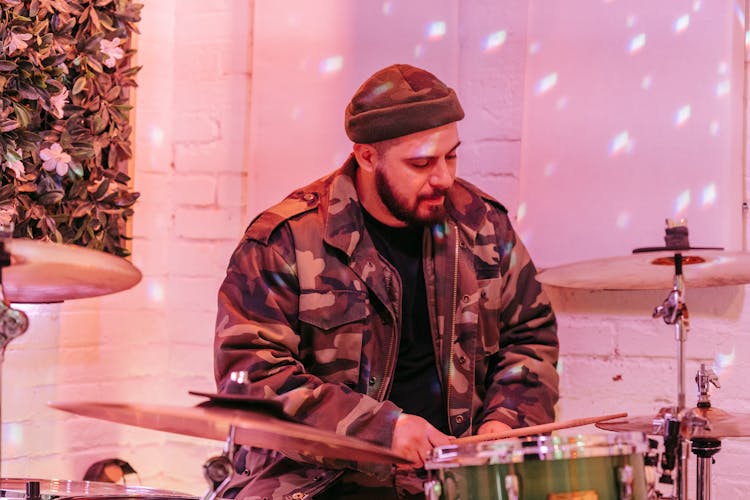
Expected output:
{"points": [[536, 429]]}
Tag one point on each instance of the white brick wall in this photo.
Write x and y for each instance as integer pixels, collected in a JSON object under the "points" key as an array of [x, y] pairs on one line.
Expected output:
{"points": [[153, 343]]}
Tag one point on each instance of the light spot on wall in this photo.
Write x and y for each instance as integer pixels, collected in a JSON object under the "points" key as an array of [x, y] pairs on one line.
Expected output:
{"points": [[637, 43], [722, 88], [682, 115], [418, 51], [723, 361], [436, 30], [740, 14], [713, 128], [545, 84], [521, 211], [622, 143], [156, 135], [387, 8], [623, 220], [494, 40], [331, 64], [534, 48], [156, 292], [631, 20], [682, 202], [682, 23], [13, 438], [708, 195], [562, 102], [550, 169], [646, 82]]}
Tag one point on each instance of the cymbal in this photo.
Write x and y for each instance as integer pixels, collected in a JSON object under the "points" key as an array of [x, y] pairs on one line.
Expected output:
{"points": [[51, 489], [252, 427], [44, 272], [652, 271], [711, 423]]}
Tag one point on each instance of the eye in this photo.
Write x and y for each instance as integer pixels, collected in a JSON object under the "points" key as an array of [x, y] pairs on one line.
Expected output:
{"points": [[421, 162]]}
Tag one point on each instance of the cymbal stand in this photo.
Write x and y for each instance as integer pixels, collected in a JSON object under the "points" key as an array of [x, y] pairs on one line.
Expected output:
{"points": [[219, 470], [13, 323], [705, 448], [674, 312]]}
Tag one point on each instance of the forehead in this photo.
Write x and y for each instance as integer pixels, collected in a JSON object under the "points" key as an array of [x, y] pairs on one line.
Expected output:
{"points": [[432, 142]]}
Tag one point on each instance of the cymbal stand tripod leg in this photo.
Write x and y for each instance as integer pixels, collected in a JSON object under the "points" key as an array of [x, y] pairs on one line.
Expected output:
{"points": [[219, 470]]}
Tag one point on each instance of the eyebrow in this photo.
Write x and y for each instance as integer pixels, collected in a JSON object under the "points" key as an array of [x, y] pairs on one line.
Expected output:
{"points": [[451, 150]]}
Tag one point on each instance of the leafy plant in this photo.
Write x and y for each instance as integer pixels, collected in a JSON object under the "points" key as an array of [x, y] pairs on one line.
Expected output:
{"points": [[65, 83]]}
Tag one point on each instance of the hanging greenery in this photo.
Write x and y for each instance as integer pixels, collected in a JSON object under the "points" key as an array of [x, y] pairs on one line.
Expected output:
{"points": [[65, 132]]}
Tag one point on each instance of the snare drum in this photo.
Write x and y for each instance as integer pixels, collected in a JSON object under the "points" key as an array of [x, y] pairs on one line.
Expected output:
{"points": [[593, 467], [52, 489]]}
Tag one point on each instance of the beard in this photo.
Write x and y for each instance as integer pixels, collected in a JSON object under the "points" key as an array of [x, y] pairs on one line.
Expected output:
{"points": [[405, 210]]}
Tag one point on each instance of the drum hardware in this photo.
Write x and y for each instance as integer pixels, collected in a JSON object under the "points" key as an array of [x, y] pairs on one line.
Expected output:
{"points": [[219, 470], [53, 489]]}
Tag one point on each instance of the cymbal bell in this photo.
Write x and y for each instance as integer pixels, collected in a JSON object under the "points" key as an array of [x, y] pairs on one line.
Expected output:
{"points": [[652, 271], [252, 427], [45, 272], [709, 423]]}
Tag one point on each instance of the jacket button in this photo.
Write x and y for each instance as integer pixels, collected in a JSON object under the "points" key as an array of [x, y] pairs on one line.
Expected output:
{"points": [[465, 298], [373, 380], [461, 360], [459, 419], [308, 197]]}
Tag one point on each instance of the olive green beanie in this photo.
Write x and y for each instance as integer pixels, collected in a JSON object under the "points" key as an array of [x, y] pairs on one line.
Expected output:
{"points": [[399, 100]]}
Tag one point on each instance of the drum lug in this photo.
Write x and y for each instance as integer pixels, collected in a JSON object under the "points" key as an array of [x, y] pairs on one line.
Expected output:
{"points": [[433, 490], [511, 486], [625, 479]]}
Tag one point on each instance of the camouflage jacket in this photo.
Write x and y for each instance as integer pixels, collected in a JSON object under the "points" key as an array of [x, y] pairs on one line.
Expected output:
{"points": [[312, 312]]}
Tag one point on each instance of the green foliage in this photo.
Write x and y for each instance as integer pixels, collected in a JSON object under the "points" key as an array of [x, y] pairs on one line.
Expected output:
{"points": [[65, 80]]}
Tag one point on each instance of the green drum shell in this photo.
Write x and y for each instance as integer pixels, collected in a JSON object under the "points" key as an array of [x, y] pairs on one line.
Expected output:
{"points": [[544, 467]]}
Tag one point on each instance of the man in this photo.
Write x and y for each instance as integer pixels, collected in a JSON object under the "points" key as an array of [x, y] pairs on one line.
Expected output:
{"points": [[388, 301]]}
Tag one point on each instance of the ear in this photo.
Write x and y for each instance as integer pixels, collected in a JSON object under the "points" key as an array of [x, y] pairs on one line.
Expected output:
{"points": [[366, 155]]}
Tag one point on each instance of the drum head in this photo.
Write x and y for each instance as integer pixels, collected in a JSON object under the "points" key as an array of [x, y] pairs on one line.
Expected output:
{"points": [[51, 489]]}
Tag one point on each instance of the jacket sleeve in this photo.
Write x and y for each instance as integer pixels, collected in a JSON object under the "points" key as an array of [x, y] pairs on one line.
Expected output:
{"points": [[522, 381], [257, 331]]}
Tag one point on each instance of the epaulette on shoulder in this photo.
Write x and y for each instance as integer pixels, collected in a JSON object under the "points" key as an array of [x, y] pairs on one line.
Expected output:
{"points": [[486, 197], [263, 226]]}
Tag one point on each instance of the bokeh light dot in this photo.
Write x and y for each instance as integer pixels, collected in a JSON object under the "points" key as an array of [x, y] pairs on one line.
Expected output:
{"points": [[545, 84], [494, 40], [387, 8], [708, 196], [682, 23], [682, 202], [521, 211], [713, 128], [436, 30], [621, 143], [623, 220], [331, 64], [646, 82], [637, 43], [682, 115], [723, 88]]}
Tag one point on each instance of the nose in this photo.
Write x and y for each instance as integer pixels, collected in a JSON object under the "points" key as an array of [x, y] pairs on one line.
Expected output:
{"points": [[441, 176]]}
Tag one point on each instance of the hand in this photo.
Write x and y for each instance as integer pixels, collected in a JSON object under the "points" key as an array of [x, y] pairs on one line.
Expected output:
{"points": [[414, 438], [493, 426]]}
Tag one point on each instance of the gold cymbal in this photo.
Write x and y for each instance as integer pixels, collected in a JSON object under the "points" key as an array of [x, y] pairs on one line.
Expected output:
{"points": [[652, 271], [44, 272], [252, 427], [710, 423]]}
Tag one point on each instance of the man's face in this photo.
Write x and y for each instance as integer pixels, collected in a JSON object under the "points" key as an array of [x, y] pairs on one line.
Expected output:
{"points": [[414, 174]]}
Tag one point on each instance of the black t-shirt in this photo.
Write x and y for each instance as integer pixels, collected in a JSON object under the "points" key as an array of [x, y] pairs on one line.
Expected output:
{"points": [[416, 387]]}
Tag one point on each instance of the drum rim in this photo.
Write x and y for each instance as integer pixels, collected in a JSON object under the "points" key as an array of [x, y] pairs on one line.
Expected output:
{"points": [[539, 448]]}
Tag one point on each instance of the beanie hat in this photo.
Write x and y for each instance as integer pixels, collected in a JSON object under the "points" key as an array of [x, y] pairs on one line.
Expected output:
{"points": [[399, 100]]}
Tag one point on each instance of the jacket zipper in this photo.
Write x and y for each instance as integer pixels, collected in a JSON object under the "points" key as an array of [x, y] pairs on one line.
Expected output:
{"points": [[453, 328], [389, 367]]}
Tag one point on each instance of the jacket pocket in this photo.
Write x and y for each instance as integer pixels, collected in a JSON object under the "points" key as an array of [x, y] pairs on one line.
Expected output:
{"points": [[332, 327], [489, 306]]}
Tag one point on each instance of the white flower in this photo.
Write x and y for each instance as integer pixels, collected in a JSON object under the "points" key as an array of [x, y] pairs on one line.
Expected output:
{"points": [[17, 41], [58, 102], [55, 159], [13, 162], [112, 51]]}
